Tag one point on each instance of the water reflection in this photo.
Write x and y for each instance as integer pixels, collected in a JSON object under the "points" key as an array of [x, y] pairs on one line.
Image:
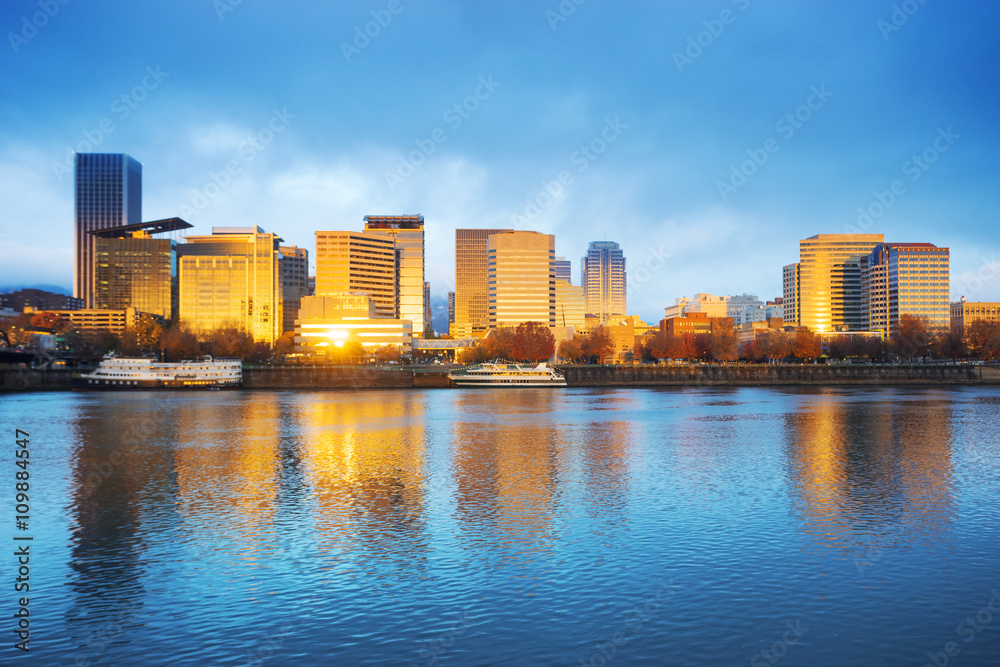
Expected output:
{"points": [[363, 456], [871, 467]]}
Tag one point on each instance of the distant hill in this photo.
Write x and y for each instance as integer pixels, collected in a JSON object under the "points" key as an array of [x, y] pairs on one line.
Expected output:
{"points": [[55, 289]]}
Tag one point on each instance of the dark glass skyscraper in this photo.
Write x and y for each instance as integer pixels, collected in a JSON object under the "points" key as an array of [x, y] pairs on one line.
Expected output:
{"points": [[108, 194], [603, 273]]}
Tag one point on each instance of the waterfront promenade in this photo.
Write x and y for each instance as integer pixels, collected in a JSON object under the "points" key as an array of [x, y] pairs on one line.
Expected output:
{"points": [[369, 377]]}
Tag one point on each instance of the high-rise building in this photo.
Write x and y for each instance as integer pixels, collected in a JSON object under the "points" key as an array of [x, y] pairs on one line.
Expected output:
{"points": [[135, 270], [428, 311], [108, 194], [829, 284], [906, 279], [564, 270], [294, 269], [232, 278], [521, 278], [744, 308], [790, 293], [355, 263], [472, 308], [571, 303], [451, 313], [603, 273], [408, 233]]}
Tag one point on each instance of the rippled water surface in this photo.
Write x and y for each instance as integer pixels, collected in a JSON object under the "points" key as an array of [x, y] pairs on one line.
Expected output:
{"points": [[623, 526]]}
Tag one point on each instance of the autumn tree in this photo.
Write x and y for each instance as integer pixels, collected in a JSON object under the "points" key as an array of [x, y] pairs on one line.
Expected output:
{"points": [[597, 345], [912, 338], [721, 343], [979, 334], [571, 350], [533, 341], [951, 345], [500, 343], [387, 353], [51, 321], [284, 346], [229, 341], [142, 337], [806, 345], [179, 342]]}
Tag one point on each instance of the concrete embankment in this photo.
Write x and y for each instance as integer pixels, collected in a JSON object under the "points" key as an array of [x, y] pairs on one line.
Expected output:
{"points": [[366, 377], [780, 374]]}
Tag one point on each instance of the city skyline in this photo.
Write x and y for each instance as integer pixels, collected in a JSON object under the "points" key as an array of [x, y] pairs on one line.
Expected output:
{"points": [[634, 141]]}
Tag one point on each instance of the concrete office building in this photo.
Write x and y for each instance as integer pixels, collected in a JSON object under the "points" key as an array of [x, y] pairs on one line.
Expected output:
{"points": [[829, 295], [355, 263], [294, 269], [603, 279], [965, 313], [906, 279], [108, 193], [709, 304], [472, 310], [790, 294], [408, 233], [135, 270], [232, 278], [571, 305], [564, 270], [745, 308], [521, 278]]}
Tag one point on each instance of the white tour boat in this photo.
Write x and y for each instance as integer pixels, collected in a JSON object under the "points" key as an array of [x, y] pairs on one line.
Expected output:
{"points": [[508, 375], [130, 373]]}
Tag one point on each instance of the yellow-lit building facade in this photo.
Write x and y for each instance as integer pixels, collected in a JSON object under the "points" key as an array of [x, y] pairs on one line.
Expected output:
{"points": [[829, 295], [232, 278], [521, 278], [790, 294], [906, 279], [294, 268], [407, 231], [328, 322], [356, 262], [570, 305], [472, 308], [964, 313]]}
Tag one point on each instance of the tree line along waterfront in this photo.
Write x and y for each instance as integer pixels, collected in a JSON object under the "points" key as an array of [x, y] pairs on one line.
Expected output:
{"points": [[528, 342]]}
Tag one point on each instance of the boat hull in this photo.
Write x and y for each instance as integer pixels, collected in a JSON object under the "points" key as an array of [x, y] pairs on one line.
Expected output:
{"points": [[100, 384]]}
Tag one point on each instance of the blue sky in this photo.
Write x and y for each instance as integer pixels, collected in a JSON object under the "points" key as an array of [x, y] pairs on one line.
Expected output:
{"points": [[642, 109]]}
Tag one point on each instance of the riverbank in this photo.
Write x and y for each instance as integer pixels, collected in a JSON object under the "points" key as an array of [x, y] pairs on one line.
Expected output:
{"points": [[368, 377]]}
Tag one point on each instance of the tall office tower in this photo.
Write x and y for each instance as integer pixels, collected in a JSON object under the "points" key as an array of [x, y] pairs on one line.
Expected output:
{"points": [[603, 272], [571, 305], [408, 233], [521, 278], [294, 270], [134, 270], [353, 263], [232, 278], [830, 267], [108, 194], [472, 308], [907, 279], [790, 293], [451, 313], [564, 270], [428, 311]]}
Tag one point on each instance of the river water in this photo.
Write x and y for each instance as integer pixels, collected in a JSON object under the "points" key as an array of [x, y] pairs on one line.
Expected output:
{"points": [[702, 526]]}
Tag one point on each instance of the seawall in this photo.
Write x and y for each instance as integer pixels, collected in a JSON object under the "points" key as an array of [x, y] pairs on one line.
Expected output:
{"points": [[366, 377], [778, 374]]}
